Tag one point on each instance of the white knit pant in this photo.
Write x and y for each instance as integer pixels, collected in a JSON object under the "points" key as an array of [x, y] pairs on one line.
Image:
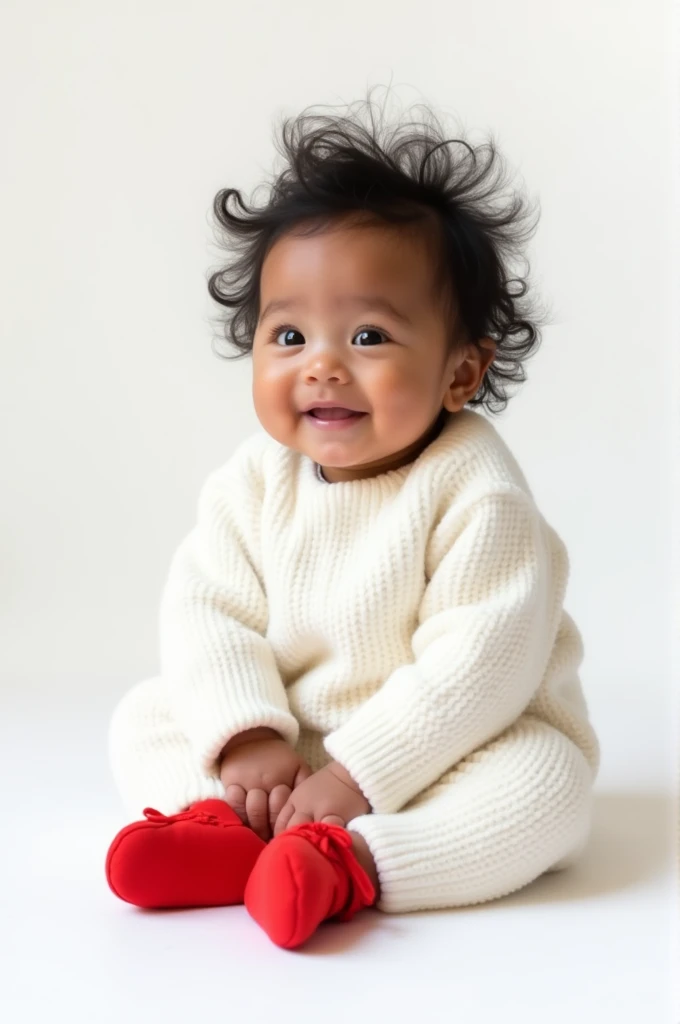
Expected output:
{"points": [[510, 811]]}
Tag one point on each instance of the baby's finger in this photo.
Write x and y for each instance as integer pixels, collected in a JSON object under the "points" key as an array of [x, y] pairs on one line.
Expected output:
{"points": [[257, 809], [299, 818], [236, 798], [285, 814], [304, 772], [334, 819], [278, 798]]}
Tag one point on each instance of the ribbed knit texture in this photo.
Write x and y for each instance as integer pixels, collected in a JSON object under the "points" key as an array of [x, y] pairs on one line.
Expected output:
{"points": [[410, 626], [408, 618]]}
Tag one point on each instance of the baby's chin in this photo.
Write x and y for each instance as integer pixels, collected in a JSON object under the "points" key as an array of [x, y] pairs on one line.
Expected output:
{"points": [[344, 447], [349, 450]]}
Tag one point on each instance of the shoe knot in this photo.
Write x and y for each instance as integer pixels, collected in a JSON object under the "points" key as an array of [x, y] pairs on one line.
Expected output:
{"points": [[205, 818], [326, 837], [151, 814]]}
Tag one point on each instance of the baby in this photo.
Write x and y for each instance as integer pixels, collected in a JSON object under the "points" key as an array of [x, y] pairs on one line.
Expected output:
{"points": [[368, 690]]}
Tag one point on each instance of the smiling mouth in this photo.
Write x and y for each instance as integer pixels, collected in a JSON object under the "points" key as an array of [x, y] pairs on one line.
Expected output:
{"points": [[335, 413], [333, 420]]}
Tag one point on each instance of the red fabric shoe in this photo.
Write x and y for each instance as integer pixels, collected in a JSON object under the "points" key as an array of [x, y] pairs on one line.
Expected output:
{"points": [[199, 858], [307, 875]]}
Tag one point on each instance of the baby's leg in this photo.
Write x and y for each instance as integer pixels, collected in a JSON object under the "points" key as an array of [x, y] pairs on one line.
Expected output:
{"points": [[506, 814], [196, 851], [515, 808], [151, 759]]}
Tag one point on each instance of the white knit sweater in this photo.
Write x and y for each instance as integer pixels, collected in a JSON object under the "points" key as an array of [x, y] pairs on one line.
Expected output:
{"points": [[401, 620]]}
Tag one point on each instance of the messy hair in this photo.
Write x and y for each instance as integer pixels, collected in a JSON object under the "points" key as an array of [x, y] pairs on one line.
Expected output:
{"points": [[355, 162]]}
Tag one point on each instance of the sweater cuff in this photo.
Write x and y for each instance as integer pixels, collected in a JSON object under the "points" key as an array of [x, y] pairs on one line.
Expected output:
{"points": [[210, 742], [376, 753]]}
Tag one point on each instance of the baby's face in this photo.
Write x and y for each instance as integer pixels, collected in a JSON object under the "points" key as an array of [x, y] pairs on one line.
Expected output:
{"points": [[350, 315]]}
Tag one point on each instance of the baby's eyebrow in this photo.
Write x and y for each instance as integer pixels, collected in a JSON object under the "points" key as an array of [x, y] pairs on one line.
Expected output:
{"points": [[376, 302]]}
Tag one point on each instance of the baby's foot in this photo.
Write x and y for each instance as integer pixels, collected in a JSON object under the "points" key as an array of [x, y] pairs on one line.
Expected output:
{"points": [[306, 875], [199, 858]]}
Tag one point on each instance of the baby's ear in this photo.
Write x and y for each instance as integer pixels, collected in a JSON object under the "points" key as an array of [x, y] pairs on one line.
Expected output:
{"points": [[491, 347], [471, 363]]}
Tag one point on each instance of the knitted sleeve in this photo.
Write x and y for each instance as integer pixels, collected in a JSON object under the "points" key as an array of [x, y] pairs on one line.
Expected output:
{"points": [[486, 625], [214, 654]]}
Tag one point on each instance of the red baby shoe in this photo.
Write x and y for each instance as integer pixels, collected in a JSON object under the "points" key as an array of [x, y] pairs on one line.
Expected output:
{"points": [[199, 858], [307, 875]]}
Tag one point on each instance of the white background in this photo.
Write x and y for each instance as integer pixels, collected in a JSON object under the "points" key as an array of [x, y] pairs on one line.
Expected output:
{"points": [[120, 122]]}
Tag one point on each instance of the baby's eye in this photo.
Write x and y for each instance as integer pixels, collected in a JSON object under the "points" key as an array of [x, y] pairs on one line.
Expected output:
{"points": [[288, 335], [369, 336]]}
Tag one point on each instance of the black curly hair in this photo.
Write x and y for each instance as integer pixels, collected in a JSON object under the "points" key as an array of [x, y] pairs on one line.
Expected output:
{"points": [[345, 163]]}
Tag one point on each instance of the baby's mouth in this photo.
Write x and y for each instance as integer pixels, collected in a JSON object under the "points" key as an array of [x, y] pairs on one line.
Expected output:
{"points": [[336, 413]]}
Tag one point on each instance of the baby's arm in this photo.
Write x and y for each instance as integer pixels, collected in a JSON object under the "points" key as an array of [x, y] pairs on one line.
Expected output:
{"points": [[487, 623], [220, 669]]}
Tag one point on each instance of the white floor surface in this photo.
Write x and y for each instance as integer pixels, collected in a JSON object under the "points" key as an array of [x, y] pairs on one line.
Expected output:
{"points": [[594, 944]]}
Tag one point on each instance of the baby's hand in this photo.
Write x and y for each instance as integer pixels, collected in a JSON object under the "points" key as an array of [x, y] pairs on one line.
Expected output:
{"points": [[330, 795], [259, 770]]}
